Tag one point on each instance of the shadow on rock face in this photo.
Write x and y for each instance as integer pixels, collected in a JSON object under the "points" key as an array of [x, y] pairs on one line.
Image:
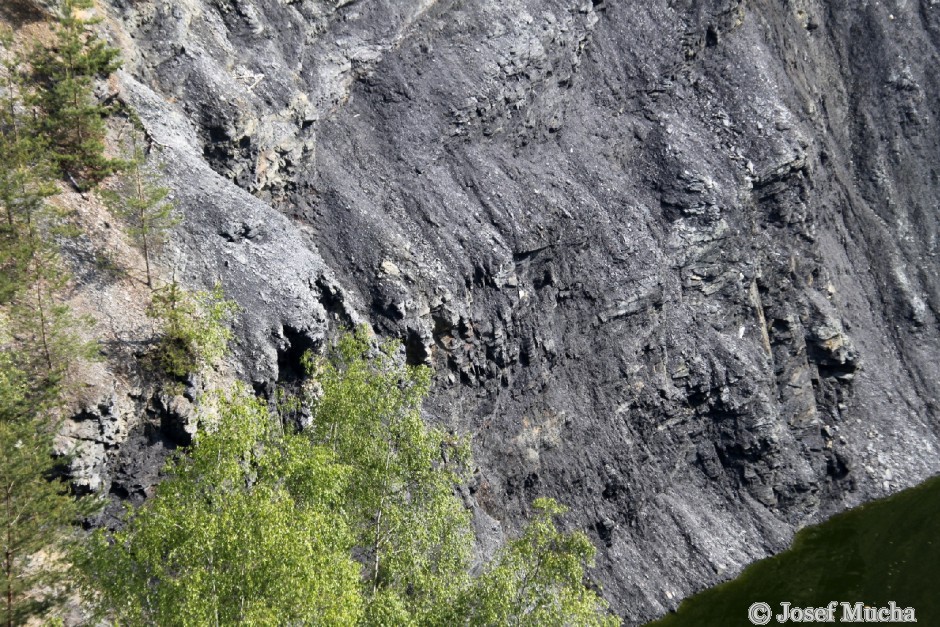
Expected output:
{"points": [[21, 12]]}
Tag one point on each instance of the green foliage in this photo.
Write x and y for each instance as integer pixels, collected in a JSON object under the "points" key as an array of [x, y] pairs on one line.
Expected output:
{"points": [[47, 336], [351, 521], [70, 117], [25, 180], [46, 332], [46, 122], [38, 343], [537, 579], [195, 331], [36, 510], [245, 530], [413, 532], [138, 199]]}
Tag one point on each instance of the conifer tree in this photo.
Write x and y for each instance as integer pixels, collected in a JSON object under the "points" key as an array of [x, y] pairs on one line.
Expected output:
{"points": [[45, 329], [25, 179], [142, 203], [36, 510], [64, 77], [38, 342]]}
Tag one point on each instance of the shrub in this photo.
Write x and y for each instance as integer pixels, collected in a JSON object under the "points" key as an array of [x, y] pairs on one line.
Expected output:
{"points": [[195, 328]]}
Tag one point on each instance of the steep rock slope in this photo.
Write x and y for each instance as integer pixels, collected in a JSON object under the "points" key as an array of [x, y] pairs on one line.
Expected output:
{"points": [[673, 262]]}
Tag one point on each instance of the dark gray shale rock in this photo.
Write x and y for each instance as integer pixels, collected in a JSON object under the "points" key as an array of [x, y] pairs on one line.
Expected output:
{"points": [[674, 262]]}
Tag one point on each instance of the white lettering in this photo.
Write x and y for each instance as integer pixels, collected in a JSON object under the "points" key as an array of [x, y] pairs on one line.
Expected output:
{"points": [[856, 612], [851, 613], [894, 612]]}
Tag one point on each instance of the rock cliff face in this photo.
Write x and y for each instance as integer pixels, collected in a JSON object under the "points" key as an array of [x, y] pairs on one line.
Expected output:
{"points": [[674, 262]]}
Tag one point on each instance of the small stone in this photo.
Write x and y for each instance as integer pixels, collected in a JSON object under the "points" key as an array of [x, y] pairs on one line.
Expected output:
{"points": [[681, 371], [390, 268]]}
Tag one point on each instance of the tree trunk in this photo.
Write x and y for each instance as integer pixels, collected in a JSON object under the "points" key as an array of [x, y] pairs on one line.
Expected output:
{"points": [[378, 523], [42, 324], [8, 560], [142, 218]]}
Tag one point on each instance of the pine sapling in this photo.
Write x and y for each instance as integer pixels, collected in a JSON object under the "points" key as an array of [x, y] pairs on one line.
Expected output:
{"points": [[64, 76], [139, 200]]}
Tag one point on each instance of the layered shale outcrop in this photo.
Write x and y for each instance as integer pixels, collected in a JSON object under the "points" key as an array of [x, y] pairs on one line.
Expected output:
{"points": [[673, 262]]}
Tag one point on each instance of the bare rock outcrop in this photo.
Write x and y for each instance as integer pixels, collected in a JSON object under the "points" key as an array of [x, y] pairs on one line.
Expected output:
{"points": [[674, 263]]}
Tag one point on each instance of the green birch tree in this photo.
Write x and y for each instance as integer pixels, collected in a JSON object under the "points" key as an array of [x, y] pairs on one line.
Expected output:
{"points": [[353, 520], [246, 529], [412, 531], [538, 579]]}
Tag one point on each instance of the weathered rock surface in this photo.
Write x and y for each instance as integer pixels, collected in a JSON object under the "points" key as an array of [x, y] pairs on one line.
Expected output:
{"points": [[674, 263]]}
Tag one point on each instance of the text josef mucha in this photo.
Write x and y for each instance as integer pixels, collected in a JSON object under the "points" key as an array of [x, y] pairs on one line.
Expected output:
{"points": [[761, 613]]}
